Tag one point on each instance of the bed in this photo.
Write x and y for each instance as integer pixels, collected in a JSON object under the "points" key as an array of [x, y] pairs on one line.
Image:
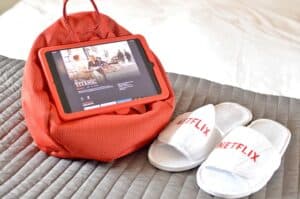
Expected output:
{"points": [[240, 51], [27, 172], [234, 42]]}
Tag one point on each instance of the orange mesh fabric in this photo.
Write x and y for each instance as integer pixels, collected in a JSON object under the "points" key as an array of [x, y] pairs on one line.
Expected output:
{"points": [[101, 137]]}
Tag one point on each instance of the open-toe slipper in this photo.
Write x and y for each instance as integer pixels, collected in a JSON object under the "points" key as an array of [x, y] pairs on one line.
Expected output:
{"points": [[190, 137], [245, 160]]}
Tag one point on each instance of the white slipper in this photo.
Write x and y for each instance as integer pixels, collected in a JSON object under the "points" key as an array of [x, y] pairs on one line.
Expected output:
{"points": [[188, 139], [245, 160]]}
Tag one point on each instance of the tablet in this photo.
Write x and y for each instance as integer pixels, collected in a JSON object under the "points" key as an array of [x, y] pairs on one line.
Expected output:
{"points": [[102, 76]]}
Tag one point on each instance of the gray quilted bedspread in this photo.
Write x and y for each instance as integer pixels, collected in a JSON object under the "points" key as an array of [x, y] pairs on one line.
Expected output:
{"points": [[26, 172]]}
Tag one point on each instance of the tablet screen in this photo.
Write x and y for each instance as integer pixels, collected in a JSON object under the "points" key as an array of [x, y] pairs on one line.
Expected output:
{"points": [[100, 75]]}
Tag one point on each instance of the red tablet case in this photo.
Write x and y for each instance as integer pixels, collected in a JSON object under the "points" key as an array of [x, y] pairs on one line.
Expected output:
{"points": [[164, 91]]}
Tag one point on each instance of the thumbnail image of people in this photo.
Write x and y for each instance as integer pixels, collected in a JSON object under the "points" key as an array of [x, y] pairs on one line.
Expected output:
{"points": [[79, 68], [117, 60], [96, 64], [100, 64], [127, 55]]}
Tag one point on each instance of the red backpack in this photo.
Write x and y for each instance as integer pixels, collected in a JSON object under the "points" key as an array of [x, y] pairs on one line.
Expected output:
{"points": [[103, 137]]}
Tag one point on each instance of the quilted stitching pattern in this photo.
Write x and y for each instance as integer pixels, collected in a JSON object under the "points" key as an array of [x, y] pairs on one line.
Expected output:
{"points": [[26, 172]]}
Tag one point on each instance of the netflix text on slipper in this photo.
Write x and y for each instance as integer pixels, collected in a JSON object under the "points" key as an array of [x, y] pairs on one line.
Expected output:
{"points": [[197, 123], [242, 148]]}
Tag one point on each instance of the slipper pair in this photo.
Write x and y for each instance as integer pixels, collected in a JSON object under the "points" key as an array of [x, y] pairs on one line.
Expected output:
{"points": [[238, 160]]}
